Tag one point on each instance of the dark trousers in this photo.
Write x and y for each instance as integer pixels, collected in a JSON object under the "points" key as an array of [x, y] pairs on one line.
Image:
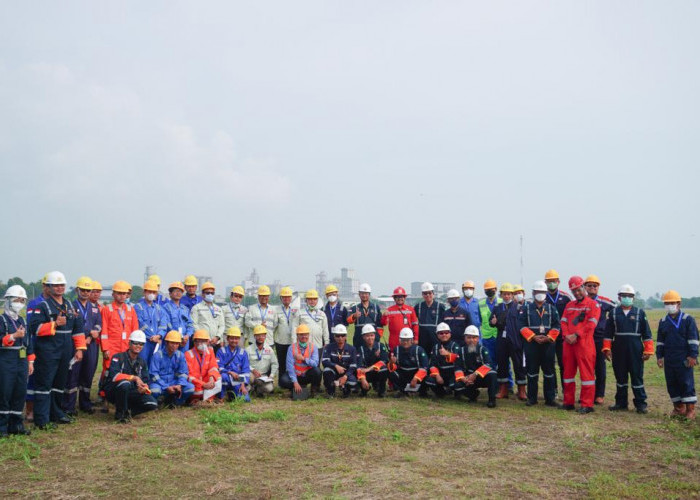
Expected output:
{"points": [[311, 376], [281, 351], [679, 380], [377, 380], [600, 369], [53, 355], [401, 378], [508, 349], [628, 365], [330, 376], [13, 390], [489, 382], [125, 398], [449, 383], [540, 357]]}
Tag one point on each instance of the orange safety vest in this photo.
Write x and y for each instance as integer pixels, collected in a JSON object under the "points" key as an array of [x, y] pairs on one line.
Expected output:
{"points": [[298, 367]]}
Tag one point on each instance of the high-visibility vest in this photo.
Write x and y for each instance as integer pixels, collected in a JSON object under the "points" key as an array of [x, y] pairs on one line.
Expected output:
{"points": [[299, 368]]}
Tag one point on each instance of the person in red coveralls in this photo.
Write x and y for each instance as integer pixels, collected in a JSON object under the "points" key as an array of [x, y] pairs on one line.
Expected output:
{"points": [[400, 316], [577, 326]]}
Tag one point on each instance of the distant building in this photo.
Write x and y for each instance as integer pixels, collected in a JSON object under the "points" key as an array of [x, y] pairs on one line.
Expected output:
{"points": [[441, 288], [347, 284]]}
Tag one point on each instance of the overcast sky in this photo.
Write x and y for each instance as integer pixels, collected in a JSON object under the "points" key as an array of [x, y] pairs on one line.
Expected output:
{"points": [[409, 140]]}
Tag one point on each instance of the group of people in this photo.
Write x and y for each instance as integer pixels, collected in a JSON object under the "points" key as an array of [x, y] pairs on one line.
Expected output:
{"points": [[186, 349]]}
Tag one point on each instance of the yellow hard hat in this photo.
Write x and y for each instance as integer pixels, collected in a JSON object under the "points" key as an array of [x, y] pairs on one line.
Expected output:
{"points": [[238, 289], [96, 285], [331, 289], [84, 282], [121, 287], [173, 336], [264, 290], [150, 286], [468, 284], [303, 329], [208, 285], [190, 280], [507, 287], [259, 329], [488, 284], [176, 284], [154, 277], [233, 331], [518, 288], [671, 296], [200, 335], [286, 292], [44, 279], [311, 294], [551, 275], [592, 278]]}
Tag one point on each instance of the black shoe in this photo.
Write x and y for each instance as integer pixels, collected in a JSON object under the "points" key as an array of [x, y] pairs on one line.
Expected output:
{"points": [[363, 393], [567, 407], [64, 420], [346, 394], [89, 411], [585, 410], [617, 407], [399, 395], [458, 396], [491, 403], [473, 399], [46, 427], [21, 432], [530, 402], [72, 414], [550, 403], [642, 410], [381, 394]]}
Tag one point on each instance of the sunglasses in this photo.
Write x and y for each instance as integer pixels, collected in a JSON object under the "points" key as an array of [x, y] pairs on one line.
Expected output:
{"points": [[138, 343]]}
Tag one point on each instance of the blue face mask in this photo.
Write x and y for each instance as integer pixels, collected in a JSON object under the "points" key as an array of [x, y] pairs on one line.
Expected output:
{"points": [[209, 297], [626, 301], [453, 302]]}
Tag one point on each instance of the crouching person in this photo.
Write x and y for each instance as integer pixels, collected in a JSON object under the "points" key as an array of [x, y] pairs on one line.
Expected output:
{"points": [[477, 366], [372, 360], [339, 363], [408, 366], [263, 363], [169, 373], [202, 369], [446, 375], [302, 366], [125, 386], [234, 367]]}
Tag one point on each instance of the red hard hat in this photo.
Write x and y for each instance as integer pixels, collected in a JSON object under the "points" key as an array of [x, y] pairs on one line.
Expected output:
{"points": [[399, 291], [575, 282]]}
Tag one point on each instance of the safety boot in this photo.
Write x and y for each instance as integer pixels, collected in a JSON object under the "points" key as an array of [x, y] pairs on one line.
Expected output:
{"points": [[690, 411], [678, 410], [522, 394], [503, 391]]}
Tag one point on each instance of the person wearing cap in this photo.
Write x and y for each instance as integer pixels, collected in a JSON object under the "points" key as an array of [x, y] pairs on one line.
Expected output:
{"points": [[509, 344], [234, 311], [477, 367], [118, 321], [263, 363], [284, 333], [190, 299], [489, 332], [677, 353], [126, 381], [81, 373], [592, 284], [365, 313], [456, 317], [302, 364], [446, 375], [577, 326], [339, 362], [519, 295], [56, 329], [408, 365], [234, 366], [336, 313], [470, 303], [398, 317], [429, 312], [16, 362], [559, 299], [313, 317], [208, 316], [539, 326], [372, 362], [627, 344], [261, 314], [152, 320], [169, 382], [177, 315], [160, 298], [202, 366], [96, 295]]}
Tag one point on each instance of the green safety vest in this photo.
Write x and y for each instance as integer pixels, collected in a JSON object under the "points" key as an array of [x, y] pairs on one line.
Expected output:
{"points": [[487, 331]]}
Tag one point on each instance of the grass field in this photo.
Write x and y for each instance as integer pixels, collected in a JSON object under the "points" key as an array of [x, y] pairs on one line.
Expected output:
{"points": [[365, 448]]}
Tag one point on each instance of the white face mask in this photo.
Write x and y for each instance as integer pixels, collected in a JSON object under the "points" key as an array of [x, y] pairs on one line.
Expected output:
{"points": [[506, 302], [671, 308], [150, 297], [332, 299], [17, 306], [519, 297], [209, 297], [468, 293], [539, 297], [202, 347]]}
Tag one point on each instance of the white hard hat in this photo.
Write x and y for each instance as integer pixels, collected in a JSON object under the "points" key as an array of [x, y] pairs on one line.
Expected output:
{"points": [[55, 278], [452, 294], [626, 289], [364, 287], [137, 336], [442, 327], [406, 333], [539, 286], [368, 329], [427, 287], [472, 331], [340, 330], [16, 291]]}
